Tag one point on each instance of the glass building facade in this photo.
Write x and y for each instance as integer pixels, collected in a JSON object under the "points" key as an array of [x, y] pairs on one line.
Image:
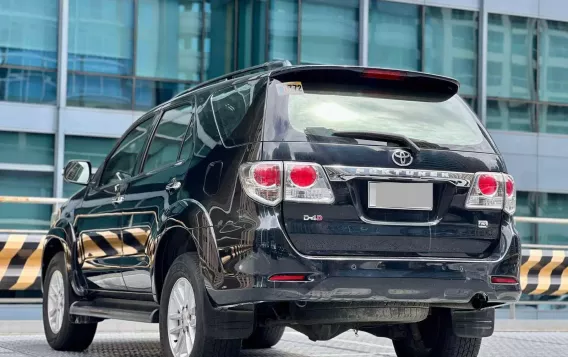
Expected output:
{"points": [[75, 73]]}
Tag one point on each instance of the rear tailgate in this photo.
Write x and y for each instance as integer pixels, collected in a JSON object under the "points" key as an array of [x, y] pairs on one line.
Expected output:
{"points": [[391, 199]]}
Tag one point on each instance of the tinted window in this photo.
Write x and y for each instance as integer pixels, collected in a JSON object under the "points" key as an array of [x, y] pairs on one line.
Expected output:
{"points": [[236, 110], [170, 133], [123, 160], [316, 114]]}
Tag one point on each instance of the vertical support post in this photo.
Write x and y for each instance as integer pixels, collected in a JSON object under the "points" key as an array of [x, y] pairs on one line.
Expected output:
{"points": [[512, 312], [364, 33], [299, 42], [63, 47], [482, 63]]}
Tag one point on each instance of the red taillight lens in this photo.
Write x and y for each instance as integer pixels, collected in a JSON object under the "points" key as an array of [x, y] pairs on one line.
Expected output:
{"points": [[288, 277], [303, 176], [267, 175], [509, 186], [487, 185], [503, 280], [384, 74]]}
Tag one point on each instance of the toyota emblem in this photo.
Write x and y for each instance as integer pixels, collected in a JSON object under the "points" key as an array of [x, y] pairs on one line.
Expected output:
{"points": [[402, 157]]}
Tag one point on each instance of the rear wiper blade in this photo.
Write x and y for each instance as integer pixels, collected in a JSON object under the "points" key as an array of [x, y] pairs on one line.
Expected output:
{"points": [[373, 135]]}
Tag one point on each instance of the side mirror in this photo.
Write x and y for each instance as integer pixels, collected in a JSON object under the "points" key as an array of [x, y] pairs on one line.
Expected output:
{"points": [[78, 172]]}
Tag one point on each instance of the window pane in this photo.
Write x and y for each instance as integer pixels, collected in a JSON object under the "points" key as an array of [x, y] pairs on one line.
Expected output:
{"points": [[169, 39], [252, 32], [25, 216], [511, 54], [101, 36], [26, 148], [28, 33], [219, 38], [552, 205], [283, 44], [150, 94], [22, 85], [526, 208], [394, 35], [553, 85], [451, 45], [504, 115], [92, 149], [169, 136], [123, 161], [553, 119], [330, 32], [99, 92]]}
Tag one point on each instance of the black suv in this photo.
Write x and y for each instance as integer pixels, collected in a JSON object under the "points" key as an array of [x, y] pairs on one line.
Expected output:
{"points": [[321, 198]]}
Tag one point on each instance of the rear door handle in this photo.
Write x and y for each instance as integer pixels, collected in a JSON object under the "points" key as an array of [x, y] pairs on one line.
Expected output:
{"points": [[173, 186]]}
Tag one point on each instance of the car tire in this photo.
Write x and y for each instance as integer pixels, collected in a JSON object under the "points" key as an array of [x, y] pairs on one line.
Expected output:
{"points": [[60, 332], [182, 314], [444, 343], [264, 337]]}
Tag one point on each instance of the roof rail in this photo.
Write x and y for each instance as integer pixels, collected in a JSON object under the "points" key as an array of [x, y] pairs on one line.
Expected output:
{"points": [[265, 67]]}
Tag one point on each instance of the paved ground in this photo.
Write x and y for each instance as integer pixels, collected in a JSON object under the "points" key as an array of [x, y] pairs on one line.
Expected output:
{"points": [[293, 344]]}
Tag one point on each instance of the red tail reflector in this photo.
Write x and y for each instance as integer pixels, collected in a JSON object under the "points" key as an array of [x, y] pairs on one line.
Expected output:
{"points": [[504, 280], [303, 176], [509, 186], [288, 277], [267, 175], [384, 74]]}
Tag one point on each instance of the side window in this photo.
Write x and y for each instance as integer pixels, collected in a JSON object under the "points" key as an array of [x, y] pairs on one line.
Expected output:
{"points": [[169, 137], [238, 111], [122, 162]]}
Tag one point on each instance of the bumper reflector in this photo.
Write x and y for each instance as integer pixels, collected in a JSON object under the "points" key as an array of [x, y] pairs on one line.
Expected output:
{"points": [[288, 277], [504, 280]]}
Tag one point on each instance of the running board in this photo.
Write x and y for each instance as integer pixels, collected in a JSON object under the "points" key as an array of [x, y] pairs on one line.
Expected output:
{"points": [[129, 310]]}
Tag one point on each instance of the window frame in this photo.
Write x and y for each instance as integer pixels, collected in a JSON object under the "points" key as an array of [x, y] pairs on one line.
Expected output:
{"points": [[153, 115], [184, 101]]}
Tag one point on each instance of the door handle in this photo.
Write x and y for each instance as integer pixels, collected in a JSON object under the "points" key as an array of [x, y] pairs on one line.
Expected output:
{"points": [[173, 186]]}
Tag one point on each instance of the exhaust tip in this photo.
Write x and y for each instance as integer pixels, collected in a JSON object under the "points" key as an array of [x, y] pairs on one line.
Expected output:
{"points": [[479, 301]]}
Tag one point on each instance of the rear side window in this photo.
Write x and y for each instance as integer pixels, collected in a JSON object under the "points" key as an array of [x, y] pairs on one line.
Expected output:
{"points": [[169, 137], [238, 110], [316, 111]]}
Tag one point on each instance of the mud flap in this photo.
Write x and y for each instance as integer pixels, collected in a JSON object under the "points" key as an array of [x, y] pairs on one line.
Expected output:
{"points": [[473, 324], [224, 323]]}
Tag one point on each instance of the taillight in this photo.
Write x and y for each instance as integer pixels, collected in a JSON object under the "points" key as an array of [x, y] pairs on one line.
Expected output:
{"points": [[303, 176], [306, 182], [269, 182], [487, 191], [487, 184], [491, 190], [511, 195], [262, 181]]}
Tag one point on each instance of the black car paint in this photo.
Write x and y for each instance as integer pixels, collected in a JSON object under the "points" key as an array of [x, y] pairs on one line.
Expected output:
{"points": [[241, 242]]}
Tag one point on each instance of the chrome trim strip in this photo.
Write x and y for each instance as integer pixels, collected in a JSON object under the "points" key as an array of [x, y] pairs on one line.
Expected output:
{"points": [[346, 173], [411, 224]]}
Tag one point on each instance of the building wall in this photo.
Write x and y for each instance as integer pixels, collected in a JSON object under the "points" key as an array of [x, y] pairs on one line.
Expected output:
{"points": [[75, 73]]}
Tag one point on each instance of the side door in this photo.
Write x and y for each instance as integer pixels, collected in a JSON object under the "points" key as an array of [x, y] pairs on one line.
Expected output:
{"points": [[99, 221], [154, 190]]}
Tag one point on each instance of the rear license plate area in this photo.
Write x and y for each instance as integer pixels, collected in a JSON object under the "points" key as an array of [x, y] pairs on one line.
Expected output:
{"points": [[401, 196]]}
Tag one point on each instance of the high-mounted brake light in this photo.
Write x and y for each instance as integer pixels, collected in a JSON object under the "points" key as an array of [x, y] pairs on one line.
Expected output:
{"points": [[384, 74]]}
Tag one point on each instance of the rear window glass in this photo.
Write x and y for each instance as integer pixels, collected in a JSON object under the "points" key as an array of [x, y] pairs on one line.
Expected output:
{"points": [[306, 115]]}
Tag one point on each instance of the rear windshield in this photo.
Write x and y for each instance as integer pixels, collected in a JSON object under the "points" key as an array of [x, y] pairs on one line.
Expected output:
{"points": [[311, 113]]}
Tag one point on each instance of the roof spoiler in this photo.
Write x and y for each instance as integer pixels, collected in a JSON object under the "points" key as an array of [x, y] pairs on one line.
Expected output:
{"points": [[392, 82]]}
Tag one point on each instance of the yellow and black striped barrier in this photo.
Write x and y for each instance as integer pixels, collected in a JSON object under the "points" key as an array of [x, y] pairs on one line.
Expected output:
{"points": [[544, 271]]}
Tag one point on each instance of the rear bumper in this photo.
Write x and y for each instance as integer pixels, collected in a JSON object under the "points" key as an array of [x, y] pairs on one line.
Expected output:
{"points": [[438, 282]]}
